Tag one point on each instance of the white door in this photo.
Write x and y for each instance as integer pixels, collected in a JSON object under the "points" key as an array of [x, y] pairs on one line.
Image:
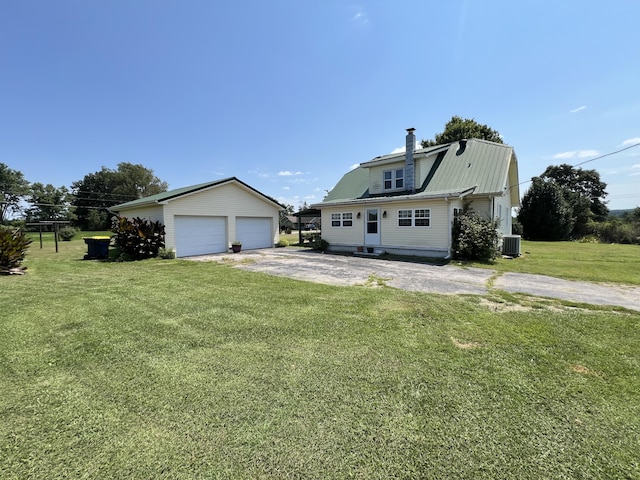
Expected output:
{"points": [[254, 232], [372, 227], [200, 235]]}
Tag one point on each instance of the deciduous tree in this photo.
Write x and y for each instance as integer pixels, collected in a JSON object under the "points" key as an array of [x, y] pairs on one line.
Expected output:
{"points": [[13, 189], [460, 128], [97, 192], [545, 213], [584, 191], [48, 203]]}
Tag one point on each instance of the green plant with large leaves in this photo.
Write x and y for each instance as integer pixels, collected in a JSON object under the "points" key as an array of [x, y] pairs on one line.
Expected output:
{"points": [[137, 237], [13, 248]]}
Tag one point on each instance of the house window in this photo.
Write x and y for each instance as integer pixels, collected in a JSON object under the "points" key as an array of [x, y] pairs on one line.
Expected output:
{"points": [[405, 218], [420, 217], [394, 179], [456, 215], [342, 219]]}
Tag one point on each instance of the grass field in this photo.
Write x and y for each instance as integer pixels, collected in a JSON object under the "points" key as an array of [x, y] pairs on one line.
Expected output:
{"points": [[176, 369], [594, 262]]}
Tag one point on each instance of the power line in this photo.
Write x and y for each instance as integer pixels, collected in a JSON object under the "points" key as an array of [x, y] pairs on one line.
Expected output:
{"points": [[607, 154], [587, 161]]}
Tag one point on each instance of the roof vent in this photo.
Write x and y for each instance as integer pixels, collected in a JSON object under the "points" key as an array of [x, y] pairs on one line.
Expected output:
{"points": [[462, 145]]}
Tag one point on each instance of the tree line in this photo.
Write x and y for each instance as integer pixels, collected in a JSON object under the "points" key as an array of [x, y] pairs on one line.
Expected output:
{"points": [[86, 205], [563, 203]]}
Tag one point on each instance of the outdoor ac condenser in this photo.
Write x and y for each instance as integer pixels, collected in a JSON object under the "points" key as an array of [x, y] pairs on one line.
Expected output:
{"points": [[511, 245]]}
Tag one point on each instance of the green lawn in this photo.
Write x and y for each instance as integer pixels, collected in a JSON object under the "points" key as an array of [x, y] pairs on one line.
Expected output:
{"points": [[176, 369], [594, 262]]}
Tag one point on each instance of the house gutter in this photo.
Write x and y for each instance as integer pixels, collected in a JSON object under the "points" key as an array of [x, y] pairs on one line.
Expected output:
{"points": [[403, 198]]}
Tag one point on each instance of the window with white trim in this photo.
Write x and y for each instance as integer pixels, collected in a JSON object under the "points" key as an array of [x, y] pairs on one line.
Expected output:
{"points": [[394, 179], [405, 218], [419, 217], [422, 217], [457, 212], [342, 219]]}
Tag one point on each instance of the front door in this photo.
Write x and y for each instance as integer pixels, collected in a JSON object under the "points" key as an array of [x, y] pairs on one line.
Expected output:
{"points": [[372, 227]]}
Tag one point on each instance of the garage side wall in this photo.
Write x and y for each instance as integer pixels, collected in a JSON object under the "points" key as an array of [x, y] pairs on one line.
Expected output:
{"points": [[153, 213], [229, 201]]}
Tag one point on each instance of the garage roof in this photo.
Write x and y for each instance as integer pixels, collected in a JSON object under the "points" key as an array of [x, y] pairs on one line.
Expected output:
{"points": [[179, 192]]}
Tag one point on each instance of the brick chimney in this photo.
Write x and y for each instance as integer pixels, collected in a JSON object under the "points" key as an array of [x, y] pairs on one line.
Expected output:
{"points": [[409, 166]]}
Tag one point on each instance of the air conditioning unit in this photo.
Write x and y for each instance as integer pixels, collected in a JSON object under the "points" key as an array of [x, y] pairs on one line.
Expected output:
{"points": [[511, 245]]}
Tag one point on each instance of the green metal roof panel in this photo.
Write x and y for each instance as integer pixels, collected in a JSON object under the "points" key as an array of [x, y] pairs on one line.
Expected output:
{"points": [[481, 165], [164, 196], [354, 184]]}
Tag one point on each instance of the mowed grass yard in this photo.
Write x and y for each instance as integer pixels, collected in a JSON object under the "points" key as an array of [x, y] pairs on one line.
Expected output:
{"points": [[176, 369]]}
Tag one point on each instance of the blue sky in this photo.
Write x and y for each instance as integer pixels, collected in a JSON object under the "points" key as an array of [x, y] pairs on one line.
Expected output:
{"points": [[287, 95]]}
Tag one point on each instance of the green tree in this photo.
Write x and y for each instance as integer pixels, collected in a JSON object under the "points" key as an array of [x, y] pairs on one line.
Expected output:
{"points": [[48, 203], [97, 192], [13, 189], [584, 192], [463, 128], [545, 213], [136, 181]]}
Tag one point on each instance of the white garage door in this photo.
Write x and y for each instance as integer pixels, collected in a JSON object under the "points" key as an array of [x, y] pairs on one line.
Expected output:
{"points": [[254, 232], [200, 235]]}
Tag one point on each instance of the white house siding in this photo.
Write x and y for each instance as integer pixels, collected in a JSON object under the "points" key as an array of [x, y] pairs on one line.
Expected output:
{"points": [[343, 236], [411, 240], [228, 200], [436, 236], [480, 205], [153, 213], [502, 212], [376, 183], [423, 167]]}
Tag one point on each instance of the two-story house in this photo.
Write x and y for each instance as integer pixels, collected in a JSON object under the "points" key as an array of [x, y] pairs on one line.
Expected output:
{"points": [[406, 203]]}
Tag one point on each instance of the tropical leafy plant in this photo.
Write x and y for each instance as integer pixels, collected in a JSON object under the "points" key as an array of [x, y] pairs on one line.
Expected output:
{"points": [[137, 237], [13, 248]]}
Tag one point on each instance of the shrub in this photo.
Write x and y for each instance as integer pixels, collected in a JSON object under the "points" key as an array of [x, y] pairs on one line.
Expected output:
{"points": [[615, 230], [13, 248], [282, 243], [67, 233], [138, 238], [167, 253], [474, 237], [320, 244]]}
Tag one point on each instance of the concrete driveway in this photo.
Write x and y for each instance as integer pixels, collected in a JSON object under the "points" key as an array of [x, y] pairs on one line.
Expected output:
{"points": [[446, 279]]}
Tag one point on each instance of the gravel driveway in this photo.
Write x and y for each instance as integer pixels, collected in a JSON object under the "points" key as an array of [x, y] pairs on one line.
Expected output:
{"points": [[446, 279]]}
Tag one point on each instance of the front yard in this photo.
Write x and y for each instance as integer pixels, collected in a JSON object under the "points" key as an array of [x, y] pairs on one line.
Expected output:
{"points": [[178, 369]]}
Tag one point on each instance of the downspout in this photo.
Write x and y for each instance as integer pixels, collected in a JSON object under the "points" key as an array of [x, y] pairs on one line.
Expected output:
{"points": [[449, 222]]}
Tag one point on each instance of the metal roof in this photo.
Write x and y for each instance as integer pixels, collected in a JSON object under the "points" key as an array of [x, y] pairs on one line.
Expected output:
{"points": [[472, 166], [354, 184], [480, 164], [178, 192]]}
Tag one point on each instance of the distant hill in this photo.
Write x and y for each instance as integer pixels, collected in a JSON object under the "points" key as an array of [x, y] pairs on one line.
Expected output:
{"points": [[619, 213]]}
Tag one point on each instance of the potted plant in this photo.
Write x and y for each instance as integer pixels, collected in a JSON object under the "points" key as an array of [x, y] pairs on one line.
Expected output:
{"points": [[236, 246]]}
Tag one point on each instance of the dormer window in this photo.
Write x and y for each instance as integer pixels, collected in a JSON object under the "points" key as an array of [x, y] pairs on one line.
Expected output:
{"points": [[394, 179]]}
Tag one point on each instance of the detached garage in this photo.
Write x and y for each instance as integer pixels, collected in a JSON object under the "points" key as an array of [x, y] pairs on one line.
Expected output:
{"points": [[208, 217]]}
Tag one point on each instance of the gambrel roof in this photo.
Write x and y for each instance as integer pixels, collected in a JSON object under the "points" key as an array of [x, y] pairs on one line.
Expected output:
{"points": [[472, 166]]}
